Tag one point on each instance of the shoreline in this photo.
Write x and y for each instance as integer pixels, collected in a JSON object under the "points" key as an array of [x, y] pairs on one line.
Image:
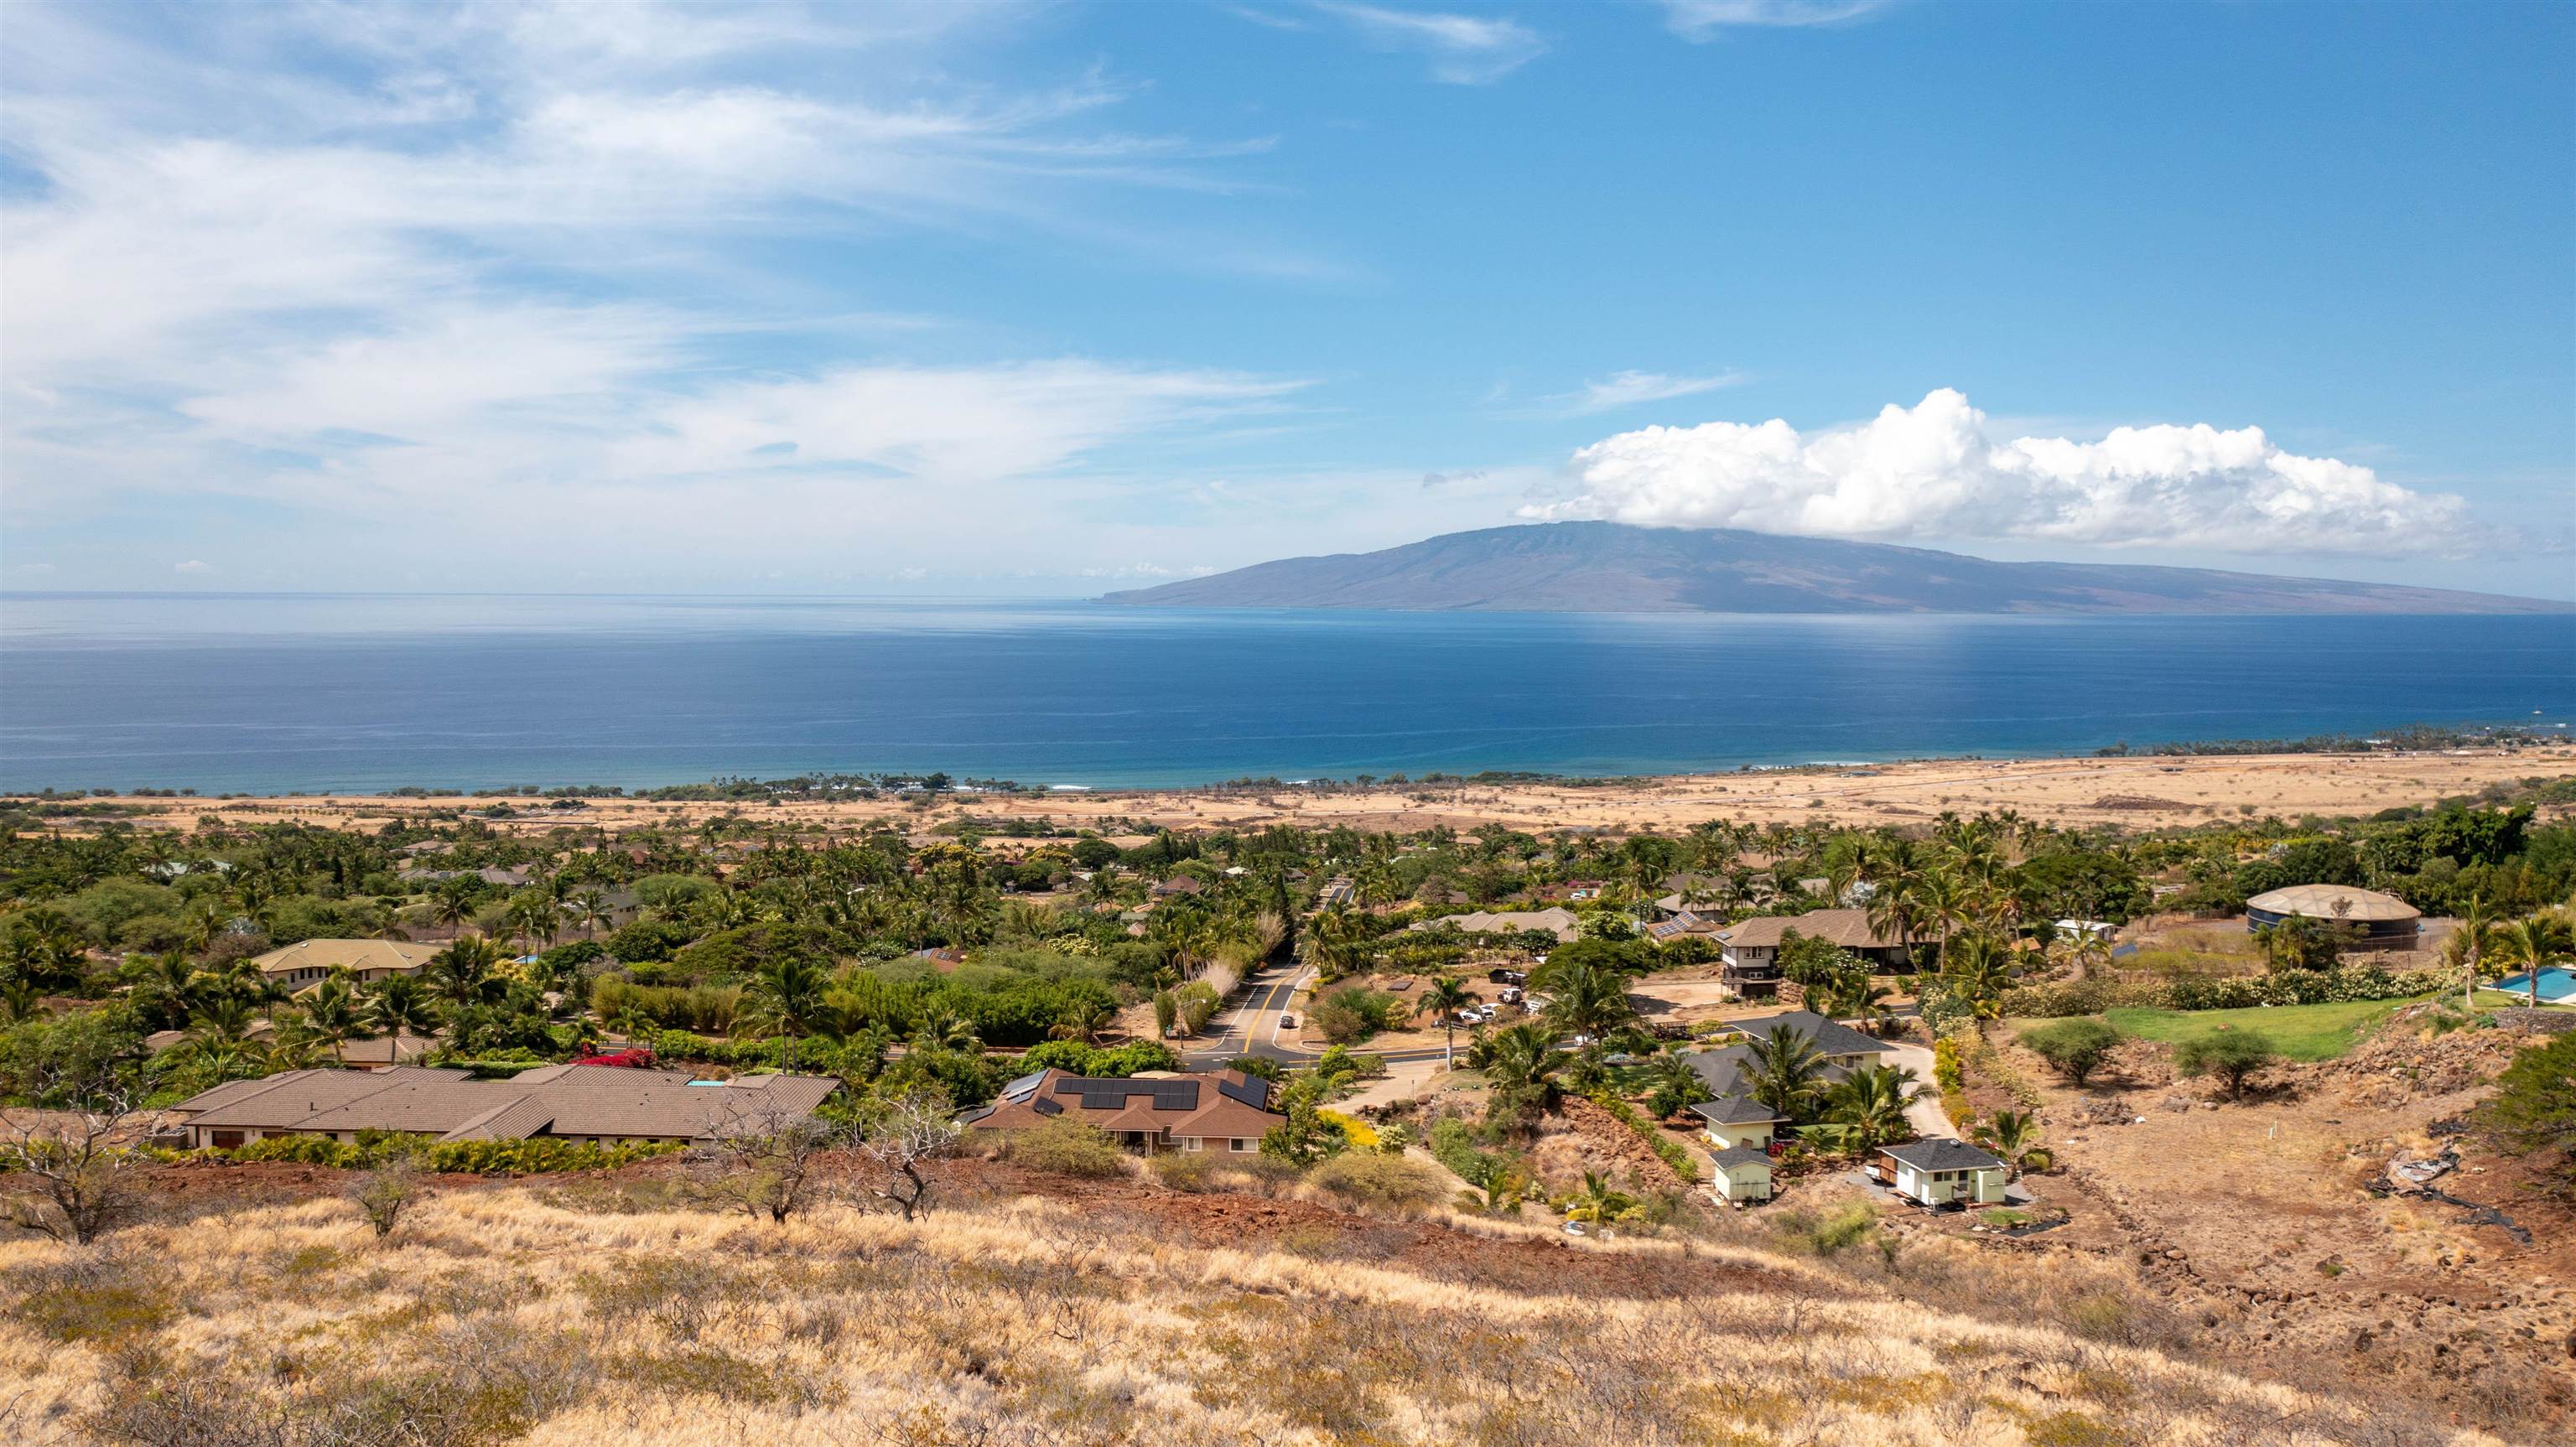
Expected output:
{"points": [[2133, 791]]}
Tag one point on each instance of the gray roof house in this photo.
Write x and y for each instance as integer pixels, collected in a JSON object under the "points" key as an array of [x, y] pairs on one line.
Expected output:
{"points": [[1939, 1172]]}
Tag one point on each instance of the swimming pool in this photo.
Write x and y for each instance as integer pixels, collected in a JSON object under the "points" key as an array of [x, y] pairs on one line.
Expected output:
{"points": [[2557, 986]]}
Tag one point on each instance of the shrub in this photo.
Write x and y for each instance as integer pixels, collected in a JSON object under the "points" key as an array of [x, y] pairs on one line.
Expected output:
{"points": [[1454, 1146], [2076, 1047], [1067, 1147], [1192, 1171], [1368, 1180], [1353, 1012], [1828, 1233], [2231, 1055], [2535, 1104]]}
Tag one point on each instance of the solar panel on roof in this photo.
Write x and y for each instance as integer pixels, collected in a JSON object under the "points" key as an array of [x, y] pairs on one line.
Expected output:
{"points": [[1176, 1095], [1019, 1089], [1252, 1092]]}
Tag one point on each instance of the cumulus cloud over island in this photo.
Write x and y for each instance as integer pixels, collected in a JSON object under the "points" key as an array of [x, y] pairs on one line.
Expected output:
{"points": [[1931, 470]]}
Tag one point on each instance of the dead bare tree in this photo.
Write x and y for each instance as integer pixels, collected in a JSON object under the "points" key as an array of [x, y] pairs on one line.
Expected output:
{"points": [[72, 1173], [763, 1157], [917, 1126]]}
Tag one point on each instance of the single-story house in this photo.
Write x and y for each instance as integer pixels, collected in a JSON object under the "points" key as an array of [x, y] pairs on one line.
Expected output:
{"points": [[308, 962], [1840, 1044], [1554, 920], [1938, 1172], [1340, 889], [587, 1103], [1751, 948], [1226, 1111], [1734, 1121], [1177, 884], [1743, 1175]]}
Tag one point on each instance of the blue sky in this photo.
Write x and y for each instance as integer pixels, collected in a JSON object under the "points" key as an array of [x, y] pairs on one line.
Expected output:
{"points": [[1051, 298]]}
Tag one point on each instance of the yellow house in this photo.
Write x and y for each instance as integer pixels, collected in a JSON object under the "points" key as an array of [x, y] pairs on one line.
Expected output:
{"points": [[1939, 1172], [1737, 1121]]}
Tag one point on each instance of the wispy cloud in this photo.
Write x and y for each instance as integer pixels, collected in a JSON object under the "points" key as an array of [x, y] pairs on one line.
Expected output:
{"points": [[1706, 19], [1628, 389], [1463, 49], [415, 270]]}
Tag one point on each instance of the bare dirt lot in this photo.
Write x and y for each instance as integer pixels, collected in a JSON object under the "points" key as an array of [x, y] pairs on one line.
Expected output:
{"points": [[2258, 1218], [2142, 793]]}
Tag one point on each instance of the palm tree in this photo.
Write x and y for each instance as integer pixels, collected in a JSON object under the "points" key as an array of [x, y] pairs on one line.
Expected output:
{"points": [[1868, 1108], [1980, 970], [2012, 1134], [1584, 997], [1520, 1063], [1785, 1071], [2477, 926], [1860, 1000], [334, 1016], [1444, 998], [784, 998], [402, 1005], [2535, 942], [590, 907], [944, 1029], [463, 973], [1599, 1203]]}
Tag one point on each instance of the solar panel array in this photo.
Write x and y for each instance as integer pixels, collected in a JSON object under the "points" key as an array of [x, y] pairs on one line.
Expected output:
{"points": [[1250, 1090], [1114, 1094]]}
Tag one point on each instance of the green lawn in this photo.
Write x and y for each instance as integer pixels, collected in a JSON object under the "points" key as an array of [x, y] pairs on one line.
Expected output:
{"points": [[2299, 1032]]}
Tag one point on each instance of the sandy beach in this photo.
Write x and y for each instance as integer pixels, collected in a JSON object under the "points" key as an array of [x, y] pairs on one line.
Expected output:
{"points": [[2135, 792]]}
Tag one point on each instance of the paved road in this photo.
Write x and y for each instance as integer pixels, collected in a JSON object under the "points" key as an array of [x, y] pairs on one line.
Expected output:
{"points": [[1252, 1027], [1925, 1114]]}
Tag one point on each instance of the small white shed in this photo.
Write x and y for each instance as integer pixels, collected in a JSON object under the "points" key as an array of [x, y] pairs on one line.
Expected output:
{"points": [[1938, 1172]]}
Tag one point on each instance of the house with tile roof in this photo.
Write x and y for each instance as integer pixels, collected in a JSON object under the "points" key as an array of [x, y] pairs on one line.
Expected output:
{"points": [[1750, 948], [1226, 1111], [309, 962], [583, 1103]]}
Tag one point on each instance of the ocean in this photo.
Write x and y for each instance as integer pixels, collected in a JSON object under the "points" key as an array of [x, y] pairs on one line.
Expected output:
{"points": [[272, 693]]}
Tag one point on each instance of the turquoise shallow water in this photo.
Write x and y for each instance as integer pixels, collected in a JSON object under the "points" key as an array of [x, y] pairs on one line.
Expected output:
{"points": [[246, 693]]}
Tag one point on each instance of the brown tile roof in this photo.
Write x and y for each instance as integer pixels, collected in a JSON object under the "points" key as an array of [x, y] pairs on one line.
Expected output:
{"points": [[563, 1100], [1848, 928], [346, 955], [1222, 1104]]}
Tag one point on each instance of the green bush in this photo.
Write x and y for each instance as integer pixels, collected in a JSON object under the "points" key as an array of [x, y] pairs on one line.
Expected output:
{"points": [[1353, 1013], [2535, 1105], [2230, 1055], [1067, 1147], [1371, 1181], [536, 1155], [1827, 1233], [1453, 1145], [2076, 1047], [2345, 985]]}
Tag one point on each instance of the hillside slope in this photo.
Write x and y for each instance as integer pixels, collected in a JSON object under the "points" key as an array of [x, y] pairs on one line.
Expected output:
{"points": [[598, 1311], [1593, 567]]}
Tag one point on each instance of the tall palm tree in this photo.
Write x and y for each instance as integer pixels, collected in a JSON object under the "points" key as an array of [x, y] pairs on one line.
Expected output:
{"points": [[1785, 1071], [2535, 942], [1443, 998], [1868, 1108], [2477, 927], [1980, 970], [785, 999], [590, 907]]}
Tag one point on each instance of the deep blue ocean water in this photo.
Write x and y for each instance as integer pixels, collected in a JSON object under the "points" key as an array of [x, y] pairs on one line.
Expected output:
{"points": [[271, 693]]}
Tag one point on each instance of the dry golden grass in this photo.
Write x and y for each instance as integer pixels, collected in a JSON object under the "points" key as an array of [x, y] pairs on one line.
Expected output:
{"points": [[523, 1315]]}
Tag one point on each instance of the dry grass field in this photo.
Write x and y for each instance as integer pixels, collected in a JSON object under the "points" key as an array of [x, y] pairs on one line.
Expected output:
{"points": [[1043, 1311], [2142, 793]]}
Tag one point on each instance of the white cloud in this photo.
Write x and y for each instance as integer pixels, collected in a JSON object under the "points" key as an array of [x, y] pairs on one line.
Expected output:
{"points": [[1628, 389], [1464, 49], [194, 565], [1705, 19], [1930, 472]]}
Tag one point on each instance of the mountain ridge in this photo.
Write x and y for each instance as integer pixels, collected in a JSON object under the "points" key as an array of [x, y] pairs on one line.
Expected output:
{"points": [[1601, 567]]}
